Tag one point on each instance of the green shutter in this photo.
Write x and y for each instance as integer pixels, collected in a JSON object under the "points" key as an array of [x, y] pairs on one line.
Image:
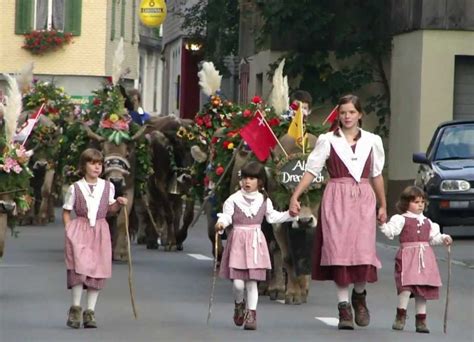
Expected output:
{"points": [[73, 16], [122, 19], [23, 16], [112, 30]]}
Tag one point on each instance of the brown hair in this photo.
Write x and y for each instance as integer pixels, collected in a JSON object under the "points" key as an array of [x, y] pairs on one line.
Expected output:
{"points": [[303, 96], [255, 170], [349, 98], [89, 155], [408, 195]]}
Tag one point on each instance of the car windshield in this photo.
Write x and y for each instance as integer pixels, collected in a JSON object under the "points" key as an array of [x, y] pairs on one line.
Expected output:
{"points": [[457, 142]]}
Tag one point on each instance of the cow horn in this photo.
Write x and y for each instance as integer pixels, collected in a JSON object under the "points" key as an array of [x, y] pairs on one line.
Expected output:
{"points": [[139, 133], [91, 134]]}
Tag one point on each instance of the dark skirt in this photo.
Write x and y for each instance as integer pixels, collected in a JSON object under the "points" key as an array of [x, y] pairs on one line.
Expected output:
{"points": [[341, 275], [74, 279], [425, 291]]}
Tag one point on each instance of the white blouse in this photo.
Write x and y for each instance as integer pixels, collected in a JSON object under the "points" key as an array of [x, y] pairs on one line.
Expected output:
{"points": [[92, 197], [395, 226], [353, 160], [251, 209]]}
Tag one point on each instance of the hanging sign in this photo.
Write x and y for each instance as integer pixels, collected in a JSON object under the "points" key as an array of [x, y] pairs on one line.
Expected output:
{"points": [[152, 12]]}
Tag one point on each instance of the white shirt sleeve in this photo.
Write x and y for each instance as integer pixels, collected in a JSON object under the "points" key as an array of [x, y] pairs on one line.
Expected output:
{"points": [[317, 158], [111, 193], [393, 227], [436, 238], [69, 198], [227, 211], [275, 216], [378, 157]]}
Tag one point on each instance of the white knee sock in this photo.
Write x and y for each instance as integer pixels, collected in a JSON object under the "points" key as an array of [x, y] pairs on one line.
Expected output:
{"points": [[92, 296], [420, 305], [342, 293], [238, 287], [252, 294], [76, 294], [359, 287], [403, 299]]}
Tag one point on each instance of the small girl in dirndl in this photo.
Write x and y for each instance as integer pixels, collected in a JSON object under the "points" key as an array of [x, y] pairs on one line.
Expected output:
{"points": [[246, 258], [88, 250], [416, 269]]}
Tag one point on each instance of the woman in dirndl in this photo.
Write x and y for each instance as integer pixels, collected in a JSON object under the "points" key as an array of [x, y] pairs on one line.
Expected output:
{"points": [[344, 249]]}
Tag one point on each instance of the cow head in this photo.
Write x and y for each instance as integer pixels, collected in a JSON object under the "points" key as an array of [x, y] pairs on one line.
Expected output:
{"points": [[118, 159], [306, 219]]}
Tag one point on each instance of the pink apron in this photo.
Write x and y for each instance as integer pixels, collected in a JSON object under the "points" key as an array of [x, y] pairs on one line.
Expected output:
{"points": [[419, 265]]}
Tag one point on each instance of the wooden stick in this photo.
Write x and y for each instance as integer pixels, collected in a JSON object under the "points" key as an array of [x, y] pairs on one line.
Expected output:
{"points": [[130, 270], [445, 324], [278, 141], [12, 191], [214, 275]]}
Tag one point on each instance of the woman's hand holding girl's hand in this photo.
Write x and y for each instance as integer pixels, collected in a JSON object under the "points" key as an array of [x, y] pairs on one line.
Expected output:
{"points": [[382, 215], [122, 201], [294, 207], [219, 227], [448, 240]]}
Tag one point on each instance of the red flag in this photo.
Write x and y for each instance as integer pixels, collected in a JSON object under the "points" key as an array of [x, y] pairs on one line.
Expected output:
{"points": [[332, 116], [259, 136], [24, 131]]}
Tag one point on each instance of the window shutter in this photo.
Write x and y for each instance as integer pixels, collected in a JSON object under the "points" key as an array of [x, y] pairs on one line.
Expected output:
{"points": [[23, 16], [122, 19], [73, 16]]}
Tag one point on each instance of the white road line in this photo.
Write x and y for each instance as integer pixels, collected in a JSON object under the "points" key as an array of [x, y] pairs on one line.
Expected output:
{"points": [[200, 257], [331, 321], [281, 301]]}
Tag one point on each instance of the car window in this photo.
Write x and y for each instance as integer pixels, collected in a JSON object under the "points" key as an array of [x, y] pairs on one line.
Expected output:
{"points": [[456, 142]]}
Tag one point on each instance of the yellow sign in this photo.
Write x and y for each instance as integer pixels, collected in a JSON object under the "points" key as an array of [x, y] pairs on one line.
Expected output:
{"points": [[152, 12]]}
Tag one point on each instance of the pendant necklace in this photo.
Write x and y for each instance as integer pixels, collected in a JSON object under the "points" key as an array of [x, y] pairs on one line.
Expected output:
{"points": [[90, 188]]}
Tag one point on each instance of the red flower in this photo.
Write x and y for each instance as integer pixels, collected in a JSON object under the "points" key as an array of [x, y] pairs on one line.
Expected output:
{"points": [[199, 120], [219, 170], [225, 144], [274, 122], [247, 113], [214, 140], [256, 100], [96, 101], [294, 106]]}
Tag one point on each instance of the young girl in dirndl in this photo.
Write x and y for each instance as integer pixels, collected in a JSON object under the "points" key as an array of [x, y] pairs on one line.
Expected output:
{"points": [[344, 249], [88, 250], [416, 270], [246, 258]]}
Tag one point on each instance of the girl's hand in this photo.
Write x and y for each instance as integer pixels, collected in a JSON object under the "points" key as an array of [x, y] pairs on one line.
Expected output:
{"points": [[295, 207], [122, 201], [382, 215], [448, 240], [219, 227]]}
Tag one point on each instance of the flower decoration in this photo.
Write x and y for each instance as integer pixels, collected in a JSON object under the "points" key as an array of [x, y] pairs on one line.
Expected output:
{"points": [[41, 41]]}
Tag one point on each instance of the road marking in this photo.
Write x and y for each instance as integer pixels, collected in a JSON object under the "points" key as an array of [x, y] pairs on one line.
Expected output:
{"points": [[281, 301], [200, 257], [14, 266], [331, 321]]}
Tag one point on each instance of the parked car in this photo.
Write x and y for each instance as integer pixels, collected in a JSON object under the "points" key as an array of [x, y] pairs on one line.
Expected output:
{"points": [[446, 173]]}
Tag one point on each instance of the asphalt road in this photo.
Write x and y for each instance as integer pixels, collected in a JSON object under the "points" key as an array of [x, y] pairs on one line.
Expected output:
{"points": [[172, 291]]}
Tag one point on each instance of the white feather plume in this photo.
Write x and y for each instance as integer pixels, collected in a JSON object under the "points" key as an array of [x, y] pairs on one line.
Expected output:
{"points": [[25, 77], [209, 79], [117, 66], [12, 109], [279, 97]]}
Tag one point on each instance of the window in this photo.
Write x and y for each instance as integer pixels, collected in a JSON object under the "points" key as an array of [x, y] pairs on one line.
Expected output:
{"points": [[62, 15]]}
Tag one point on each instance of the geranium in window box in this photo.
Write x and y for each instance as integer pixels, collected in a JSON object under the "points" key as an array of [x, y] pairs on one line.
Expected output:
{"points": [[42, 41]]}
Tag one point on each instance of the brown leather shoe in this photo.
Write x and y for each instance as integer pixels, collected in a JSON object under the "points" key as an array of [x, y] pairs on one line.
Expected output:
{"points": [[400, 319], [420, 324], [88, 318], [251, 320], [361, 313], [346, 321], [239, 313], [74, 317]]}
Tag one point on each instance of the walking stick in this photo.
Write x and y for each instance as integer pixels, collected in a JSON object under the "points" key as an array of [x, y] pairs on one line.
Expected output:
{"points": [[130, 270], [445, 324], [214, 276]]}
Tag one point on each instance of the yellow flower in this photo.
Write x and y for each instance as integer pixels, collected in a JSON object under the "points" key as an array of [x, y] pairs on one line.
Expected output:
{"points": [[113, 117], [181, 132], [230, 146], [191, 136]]}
